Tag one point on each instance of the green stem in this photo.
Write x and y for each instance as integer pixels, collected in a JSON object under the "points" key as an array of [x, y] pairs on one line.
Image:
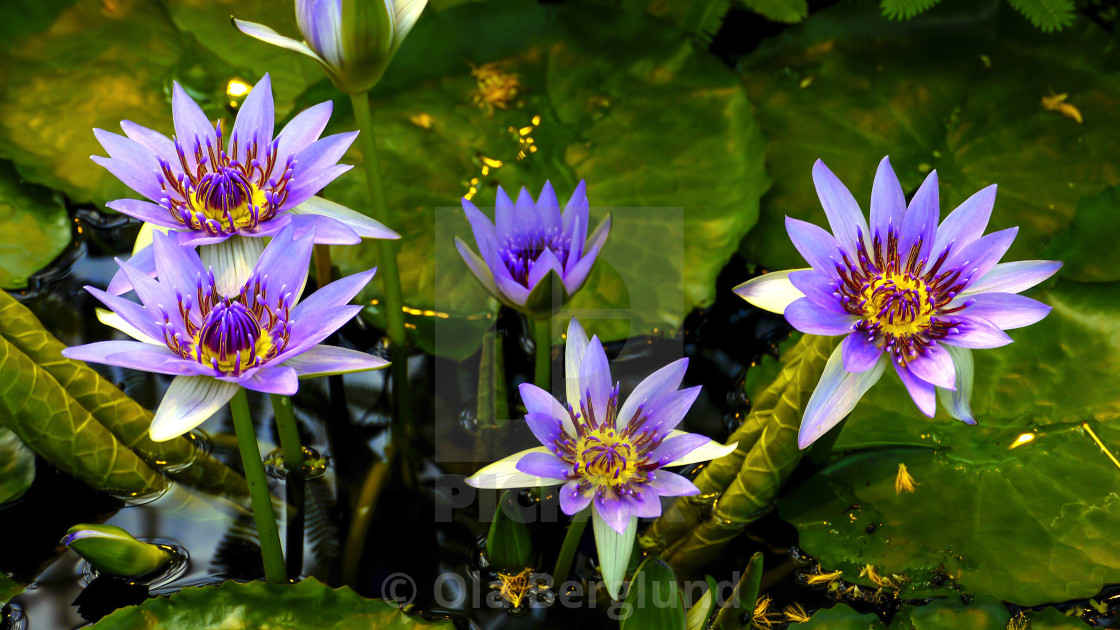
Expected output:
{"points": [[269, 536], [542, 338], [323, 265], [568, 548], [292, 449], [391, 281], [390, 276]]}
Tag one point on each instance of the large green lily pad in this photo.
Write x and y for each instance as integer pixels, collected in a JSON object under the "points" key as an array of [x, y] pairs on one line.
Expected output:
{"points": [[17, 467], [663, 135], [36, 228], [309, 604], [850, 87], [94, 63], [1030, 492]]}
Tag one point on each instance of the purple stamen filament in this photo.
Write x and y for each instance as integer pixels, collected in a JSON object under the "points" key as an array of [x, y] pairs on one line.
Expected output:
{"points": [[520, 251], [903, 306], [229, 335], [222, 195], [615, 462]]}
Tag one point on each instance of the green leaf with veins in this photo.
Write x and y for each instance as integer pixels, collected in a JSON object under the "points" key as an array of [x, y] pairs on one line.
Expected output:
{"points": [[17, 467], [83, 424]]}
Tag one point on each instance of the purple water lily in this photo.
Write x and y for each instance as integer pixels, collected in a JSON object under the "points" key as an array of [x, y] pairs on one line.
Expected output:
{"points": [[353, 63], [260, 337], [905, 290], [207, 188], [609, 458], [529, 242]]}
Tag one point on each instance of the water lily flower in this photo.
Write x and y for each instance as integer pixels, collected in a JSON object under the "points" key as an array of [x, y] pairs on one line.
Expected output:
{"points": [[209, 189], [353, 41], [529, 242], [904, 291], [608, 458], [261, 336]]}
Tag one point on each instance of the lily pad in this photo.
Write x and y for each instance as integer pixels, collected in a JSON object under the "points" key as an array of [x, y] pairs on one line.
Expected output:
{"points": [[595, 89], [1053, 619], [850, 87], [1031, 492], [260, 605], [17, 467], [840, 617], [96, 63], [84, 425], [1086, 247], [36, 228]]}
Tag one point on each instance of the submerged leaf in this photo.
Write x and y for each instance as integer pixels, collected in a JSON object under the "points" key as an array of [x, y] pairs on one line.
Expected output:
{"points": [[309, 604]]}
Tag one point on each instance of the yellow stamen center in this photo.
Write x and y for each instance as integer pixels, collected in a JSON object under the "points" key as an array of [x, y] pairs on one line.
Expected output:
{"points": [[899, 303], [605, 458]]}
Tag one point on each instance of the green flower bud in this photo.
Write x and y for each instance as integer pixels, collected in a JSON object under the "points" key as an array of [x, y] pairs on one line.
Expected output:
{"points": [[112, 550]]}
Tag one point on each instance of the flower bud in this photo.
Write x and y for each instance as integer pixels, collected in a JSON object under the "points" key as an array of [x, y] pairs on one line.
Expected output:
{"points": [[112, 550]]}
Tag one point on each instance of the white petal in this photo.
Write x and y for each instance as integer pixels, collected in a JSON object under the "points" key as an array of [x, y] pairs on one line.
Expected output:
{"points": [[111, 319], [144, 236], [405, 14], [232, 261], [269, 36], [957, 403], [573, 359], [189, 401], [835, 396], [706, 452], [772, 291], [504, 474], [360, 223], [614, 550]]}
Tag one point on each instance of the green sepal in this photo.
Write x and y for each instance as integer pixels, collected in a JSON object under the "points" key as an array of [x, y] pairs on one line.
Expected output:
{"points": [[653, 601], [741, 604], [546, 298], [112, 550], [509, 545]]}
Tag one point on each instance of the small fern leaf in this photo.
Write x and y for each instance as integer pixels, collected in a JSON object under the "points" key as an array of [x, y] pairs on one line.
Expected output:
{"points": [[705, 18], [787, 11], [1046, 15], [905, 9]]}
